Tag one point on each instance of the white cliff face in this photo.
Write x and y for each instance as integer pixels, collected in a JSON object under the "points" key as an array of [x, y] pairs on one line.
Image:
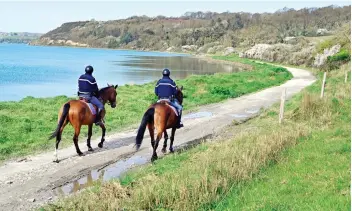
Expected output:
{"points": [[320, 59]]}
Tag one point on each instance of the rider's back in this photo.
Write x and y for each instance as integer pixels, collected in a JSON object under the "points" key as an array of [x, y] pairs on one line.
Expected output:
{"points": [[165, 88], [87, 84]]}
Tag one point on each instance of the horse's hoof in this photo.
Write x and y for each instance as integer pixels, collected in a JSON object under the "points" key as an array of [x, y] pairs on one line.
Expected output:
{"points": [[90, 149], [154, 158], [172, 150], [163, 150], [138, 146], [100, 145], [56, 161], [80, 154]]}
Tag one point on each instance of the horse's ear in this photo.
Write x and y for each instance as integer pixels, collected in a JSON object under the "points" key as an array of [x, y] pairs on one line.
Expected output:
{"points": [[108, 84], [116, 86], [181, 88]]}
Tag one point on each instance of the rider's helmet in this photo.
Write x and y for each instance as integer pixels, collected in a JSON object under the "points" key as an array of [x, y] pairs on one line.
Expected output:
{"points": [[166, 72], [89, 69]]}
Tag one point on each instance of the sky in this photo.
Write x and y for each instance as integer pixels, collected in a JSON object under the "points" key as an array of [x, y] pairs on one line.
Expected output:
{"points": [[43, 16]]}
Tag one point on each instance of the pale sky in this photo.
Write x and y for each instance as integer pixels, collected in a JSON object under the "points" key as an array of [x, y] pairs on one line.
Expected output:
{"points": [[43, 16]]}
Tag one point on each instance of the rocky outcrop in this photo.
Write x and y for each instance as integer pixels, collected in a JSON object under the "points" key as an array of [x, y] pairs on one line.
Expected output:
{"points": [[256, 52], [320, 59], [228, 51], [171, 49], [48, 41], [186, 48], [322, 32]]}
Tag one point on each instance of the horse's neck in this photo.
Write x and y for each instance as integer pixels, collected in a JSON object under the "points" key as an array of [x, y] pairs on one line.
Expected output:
{"points": [[102, 95]]}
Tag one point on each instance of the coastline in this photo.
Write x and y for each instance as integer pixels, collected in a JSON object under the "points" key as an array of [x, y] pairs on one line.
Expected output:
{"points": [[119, 49], [203, 57]]}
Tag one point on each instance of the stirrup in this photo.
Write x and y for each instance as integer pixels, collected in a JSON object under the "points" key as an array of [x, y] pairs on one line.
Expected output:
{"points": [[179, 125]]}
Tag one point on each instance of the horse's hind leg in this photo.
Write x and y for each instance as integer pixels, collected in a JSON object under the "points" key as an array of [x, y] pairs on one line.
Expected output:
{"points": [[100, 145], [172, 140], [58, 139], [151, 133], [90, 127], [165, 142], [158, 137], [75, 139]]}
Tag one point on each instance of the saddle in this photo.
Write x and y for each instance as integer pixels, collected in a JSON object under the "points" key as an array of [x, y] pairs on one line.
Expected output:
{"points": [[93, 109], [167, 102]]}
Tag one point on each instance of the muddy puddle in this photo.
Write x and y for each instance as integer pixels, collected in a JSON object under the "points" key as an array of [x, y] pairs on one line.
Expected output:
{"points": [[110, 172], [198, 115], [252, 111], [239, 116]]}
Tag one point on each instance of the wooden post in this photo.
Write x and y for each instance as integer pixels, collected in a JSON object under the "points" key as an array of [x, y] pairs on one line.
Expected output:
{"points": [[346, 75], [323, 86], [282, 105]]}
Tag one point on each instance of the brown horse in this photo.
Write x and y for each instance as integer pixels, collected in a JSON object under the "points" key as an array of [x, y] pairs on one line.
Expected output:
{"points": [[78, 113], [159, 116]]}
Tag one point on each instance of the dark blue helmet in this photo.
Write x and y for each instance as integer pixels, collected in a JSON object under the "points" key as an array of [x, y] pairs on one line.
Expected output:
{"points": [[166, 72], [89, 69]]}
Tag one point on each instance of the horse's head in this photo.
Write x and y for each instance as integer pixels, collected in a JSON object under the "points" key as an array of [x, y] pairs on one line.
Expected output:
{"points": [[179, 94], [108, 94]]}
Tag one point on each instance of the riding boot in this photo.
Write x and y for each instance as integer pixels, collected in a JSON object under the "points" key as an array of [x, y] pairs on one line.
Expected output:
{"points": [[98, 118], [179, 123]]}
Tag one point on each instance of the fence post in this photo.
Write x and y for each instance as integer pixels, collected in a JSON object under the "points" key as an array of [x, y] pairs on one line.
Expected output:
{"points": [[323, 86], [282, 105]]}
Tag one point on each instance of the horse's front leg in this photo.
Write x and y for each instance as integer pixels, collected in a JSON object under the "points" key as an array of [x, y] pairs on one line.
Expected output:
{"points": [[75, 139], [102, 136], [166, 136], [90, 127]]}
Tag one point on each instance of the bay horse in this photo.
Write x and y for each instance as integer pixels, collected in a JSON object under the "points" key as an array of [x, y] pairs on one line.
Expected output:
{"points": [[77, 112], [159, 116]]}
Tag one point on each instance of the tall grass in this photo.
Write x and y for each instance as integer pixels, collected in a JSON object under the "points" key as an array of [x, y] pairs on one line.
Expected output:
{"points": [[230, 175], [25, 125]]}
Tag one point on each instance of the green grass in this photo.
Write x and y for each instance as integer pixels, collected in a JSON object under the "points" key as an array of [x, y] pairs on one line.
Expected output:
{"points": [[302, 164], [26, 125]]}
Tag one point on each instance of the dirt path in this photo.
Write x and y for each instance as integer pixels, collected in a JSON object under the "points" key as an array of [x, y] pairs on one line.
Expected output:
{"points": [[33, 181]]}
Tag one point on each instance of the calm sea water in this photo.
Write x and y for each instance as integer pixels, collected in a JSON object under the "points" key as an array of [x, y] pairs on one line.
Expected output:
{"points": [[40, 71]]}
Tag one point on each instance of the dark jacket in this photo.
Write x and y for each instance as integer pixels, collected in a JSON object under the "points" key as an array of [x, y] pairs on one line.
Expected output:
{"points": [[87, 85], [165, 88]]}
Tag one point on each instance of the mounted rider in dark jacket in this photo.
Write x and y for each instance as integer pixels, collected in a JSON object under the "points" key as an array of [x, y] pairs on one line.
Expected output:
{"points": [[88, 89], [166, 89]]}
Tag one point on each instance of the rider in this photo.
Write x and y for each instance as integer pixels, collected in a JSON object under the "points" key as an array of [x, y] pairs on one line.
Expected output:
{"points": [[88, 89], [165, 89]]}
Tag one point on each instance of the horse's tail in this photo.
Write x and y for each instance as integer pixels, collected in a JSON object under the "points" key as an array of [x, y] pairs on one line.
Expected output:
{"points": [[61, 121], [147, 118]]}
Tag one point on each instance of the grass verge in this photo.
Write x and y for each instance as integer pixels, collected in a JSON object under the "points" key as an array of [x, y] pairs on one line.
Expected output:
{"points": [[301, 164], [27, 124]]}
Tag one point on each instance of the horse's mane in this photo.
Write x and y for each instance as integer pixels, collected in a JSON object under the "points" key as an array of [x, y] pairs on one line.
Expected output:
{"points": [[103, 89]]}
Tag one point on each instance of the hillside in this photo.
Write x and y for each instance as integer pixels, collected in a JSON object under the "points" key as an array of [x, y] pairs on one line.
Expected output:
{"points": [[18, 37], [200, 32]]}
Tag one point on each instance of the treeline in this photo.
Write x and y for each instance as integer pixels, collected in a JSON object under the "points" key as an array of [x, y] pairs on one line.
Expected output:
{"points": [[201, 28]]}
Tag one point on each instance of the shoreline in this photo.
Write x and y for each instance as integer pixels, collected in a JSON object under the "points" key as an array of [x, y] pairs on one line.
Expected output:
{"points": [[118, 49], [203, 57]]}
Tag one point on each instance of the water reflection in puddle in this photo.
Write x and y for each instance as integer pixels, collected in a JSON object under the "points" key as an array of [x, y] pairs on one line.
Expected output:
{"points": [[198, 115], [252, 111], [107, 173], [239, 116]]}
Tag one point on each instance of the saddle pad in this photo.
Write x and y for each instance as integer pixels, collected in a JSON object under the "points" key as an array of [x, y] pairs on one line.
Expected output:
{"points": [[174, 109], [167, 102], [92, 108]]}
